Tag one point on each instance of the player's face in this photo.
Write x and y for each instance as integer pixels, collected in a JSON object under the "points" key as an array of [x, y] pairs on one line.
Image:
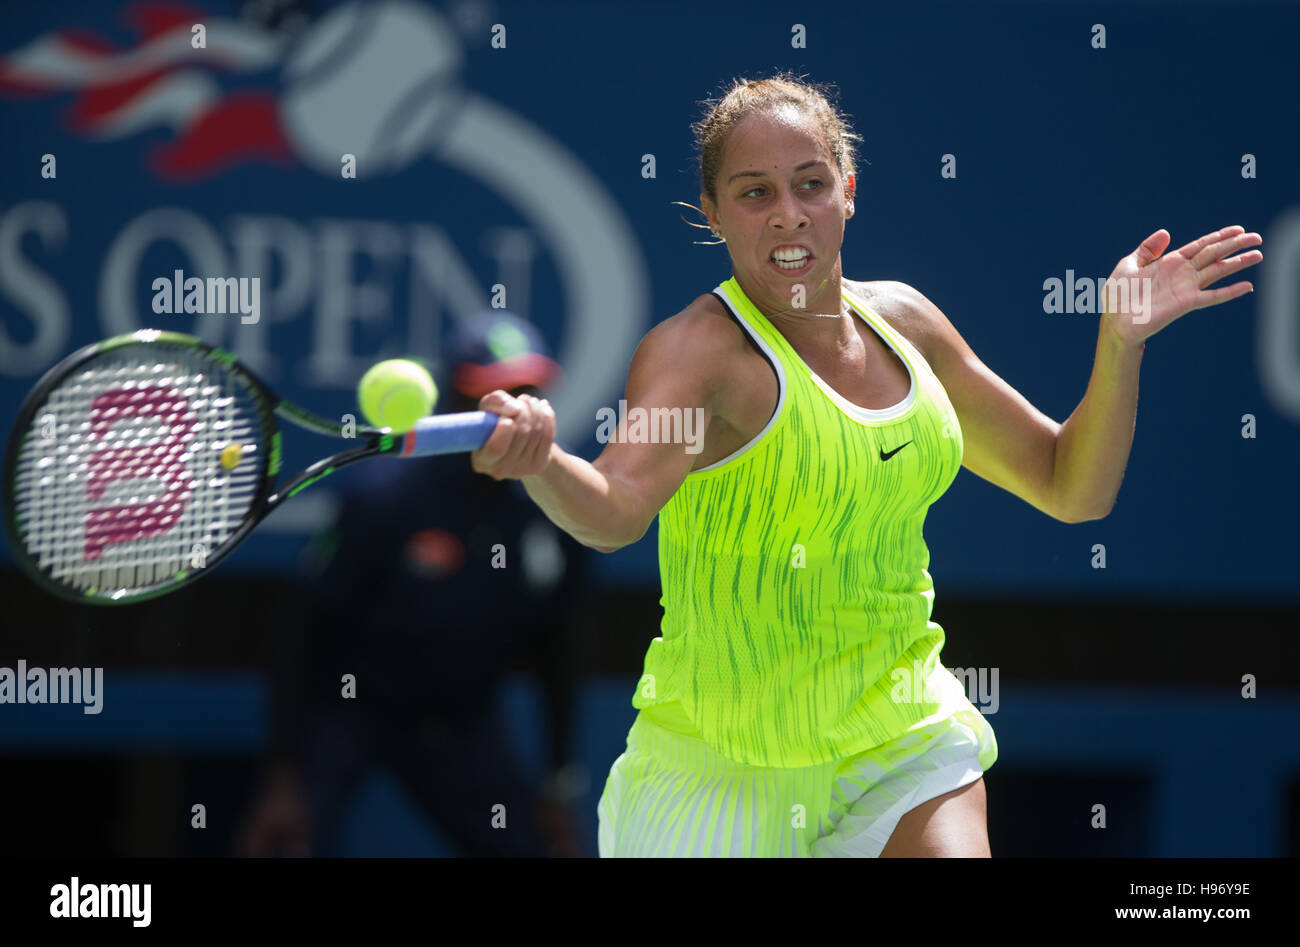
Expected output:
{"points": [[779, 188]]}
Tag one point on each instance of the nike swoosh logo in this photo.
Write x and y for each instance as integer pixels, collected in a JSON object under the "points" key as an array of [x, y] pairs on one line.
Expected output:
{"points": [[884, 456]]}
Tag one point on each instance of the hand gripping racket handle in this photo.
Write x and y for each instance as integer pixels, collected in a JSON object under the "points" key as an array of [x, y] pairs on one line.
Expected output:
{"points": [[449, 433]]}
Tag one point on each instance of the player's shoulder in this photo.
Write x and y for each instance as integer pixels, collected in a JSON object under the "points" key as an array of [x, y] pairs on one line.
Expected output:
{"points": [[701, 346], [895, 300], [705, 321], [907, 310], [701, 333]]}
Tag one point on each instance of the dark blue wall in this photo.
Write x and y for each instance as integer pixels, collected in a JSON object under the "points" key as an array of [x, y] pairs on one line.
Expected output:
{"points": [[1067, 157]]}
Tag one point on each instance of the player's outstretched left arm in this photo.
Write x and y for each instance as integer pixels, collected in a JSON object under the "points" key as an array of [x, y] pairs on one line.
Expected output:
{"points": [[1072, 471], [1094, 442]]}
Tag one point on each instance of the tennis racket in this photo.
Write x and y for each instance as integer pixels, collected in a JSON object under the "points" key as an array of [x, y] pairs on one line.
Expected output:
{"points": [[140, 462]]}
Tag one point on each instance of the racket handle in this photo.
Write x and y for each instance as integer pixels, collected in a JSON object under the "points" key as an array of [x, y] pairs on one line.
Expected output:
{"points": [[449, 433]]}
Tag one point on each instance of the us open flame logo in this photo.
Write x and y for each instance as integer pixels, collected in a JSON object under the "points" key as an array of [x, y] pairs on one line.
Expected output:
{"points": [[379, 81]]}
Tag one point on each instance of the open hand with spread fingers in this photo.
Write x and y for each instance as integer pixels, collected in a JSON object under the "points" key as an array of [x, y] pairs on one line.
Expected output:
{"points": [[1171, 285]]}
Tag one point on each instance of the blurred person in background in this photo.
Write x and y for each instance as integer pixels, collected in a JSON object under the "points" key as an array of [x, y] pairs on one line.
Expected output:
{"points": [[409, 592]]}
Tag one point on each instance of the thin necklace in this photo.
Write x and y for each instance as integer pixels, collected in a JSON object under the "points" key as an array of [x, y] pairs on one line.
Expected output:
{"points": [[821, 315]]}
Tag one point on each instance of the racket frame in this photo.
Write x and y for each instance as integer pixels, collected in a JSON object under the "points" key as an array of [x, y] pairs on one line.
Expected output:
{"points": [[268, 406]]}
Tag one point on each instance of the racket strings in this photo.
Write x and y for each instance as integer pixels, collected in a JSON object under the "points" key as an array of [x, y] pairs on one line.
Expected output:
{"points": [[137, 468]]}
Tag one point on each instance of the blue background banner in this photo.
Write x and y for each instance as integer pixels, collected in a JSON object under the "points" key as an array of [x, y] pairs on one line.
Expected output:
{"points": [[525, 166]]}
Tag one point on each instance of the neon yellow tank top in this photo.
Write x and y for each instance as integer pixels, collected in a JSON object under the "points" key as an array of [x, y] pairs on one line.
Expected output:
{"points": [[796, 594]]}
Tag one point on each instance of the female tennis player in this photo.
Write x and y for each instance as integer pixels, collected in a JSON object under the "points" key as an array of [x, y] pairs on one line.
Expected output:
{"points": [[795, 703]]}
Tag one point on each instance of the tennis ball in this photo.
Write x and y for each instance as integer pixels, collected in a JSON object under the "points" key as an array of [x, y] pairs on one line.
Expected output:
{"points": [[230, 456], [396, 393]]}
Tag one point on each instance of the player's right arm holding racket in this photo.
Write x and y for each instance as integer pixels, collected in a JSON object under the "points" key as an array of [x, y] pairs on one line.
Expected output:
{"points": [[609, 503]]}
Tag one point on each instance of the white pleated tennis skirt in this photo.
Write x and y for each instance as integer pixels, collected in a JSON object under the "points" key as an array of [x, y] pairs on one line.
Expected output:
{"points": [[672, 795]]}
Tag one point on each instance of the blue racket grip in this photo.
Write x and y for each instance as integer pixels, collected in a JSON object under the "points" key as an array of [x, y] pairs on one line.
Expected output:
{"points": [[449, 433]]}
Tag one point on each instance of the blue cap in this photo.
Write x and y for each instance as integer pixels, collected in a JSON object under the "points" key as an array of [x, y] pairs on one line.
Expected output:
{"points": [[497, 349]]}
